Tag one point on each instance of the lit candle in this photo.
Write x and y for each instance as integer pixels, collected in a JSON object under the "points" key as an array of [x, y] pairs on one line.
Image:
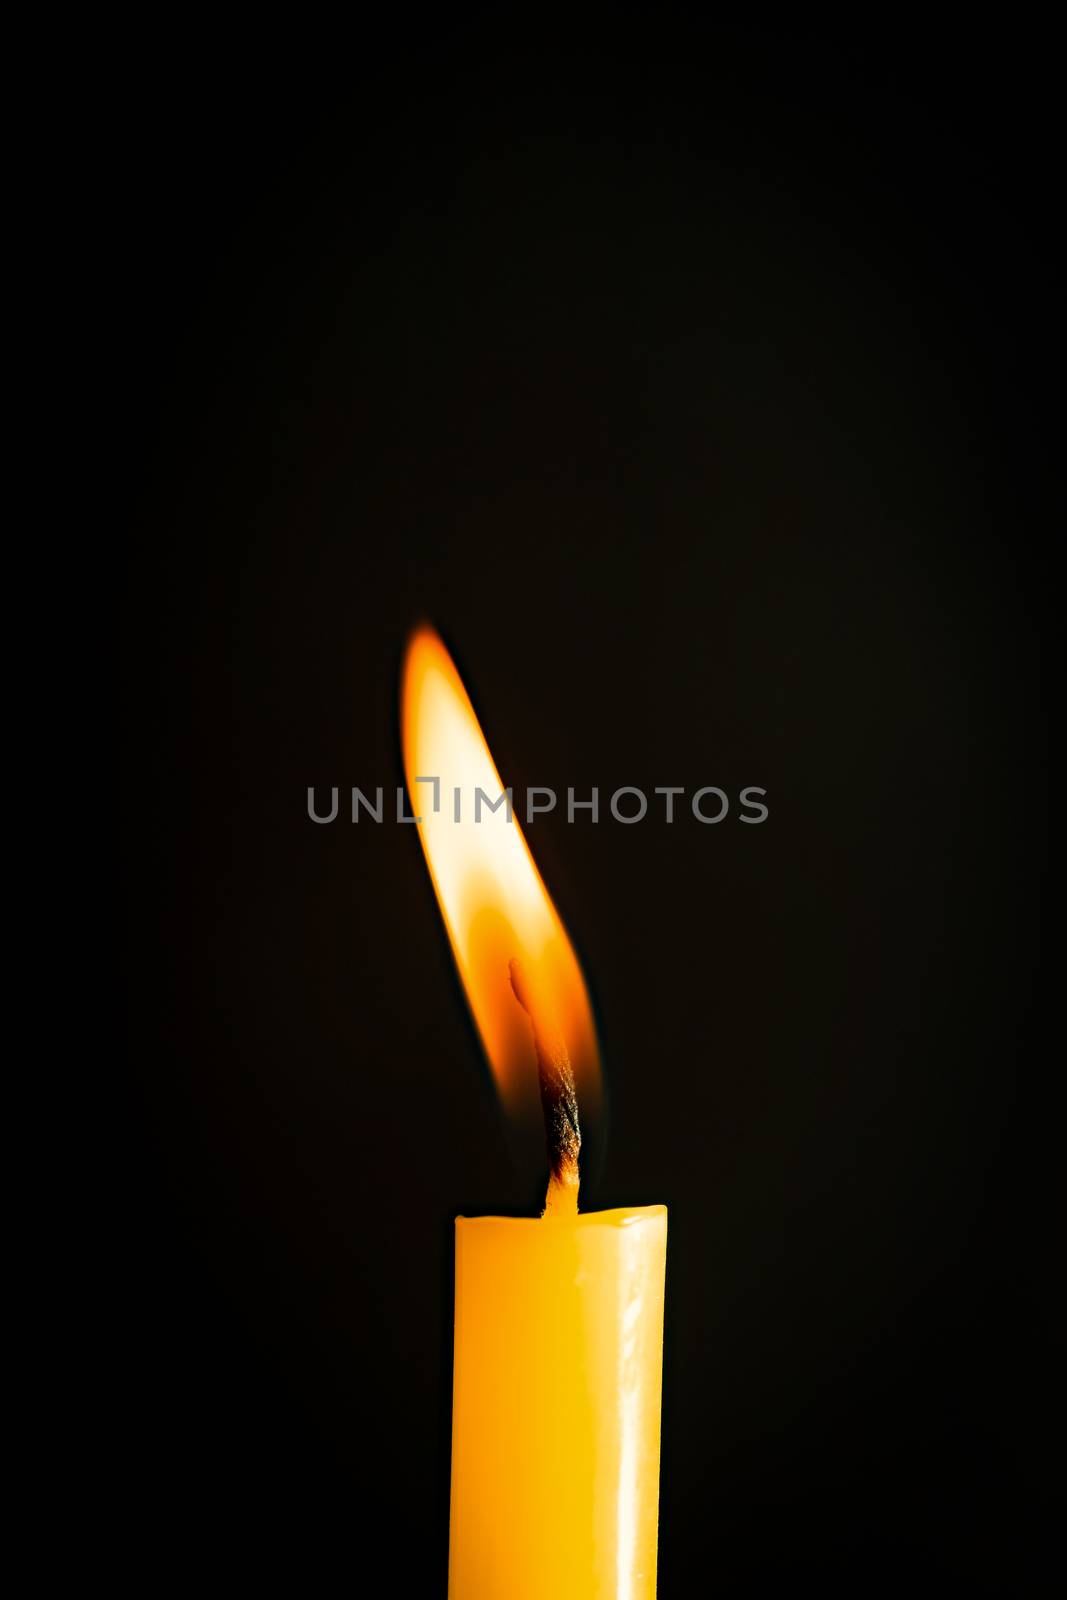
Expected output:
{"points": [[559, 1319]]}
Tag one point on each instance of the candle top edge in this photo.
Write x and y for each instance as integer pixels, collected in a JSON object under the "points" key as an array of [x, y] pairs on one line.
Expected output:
{"points": [[619, 1217]]}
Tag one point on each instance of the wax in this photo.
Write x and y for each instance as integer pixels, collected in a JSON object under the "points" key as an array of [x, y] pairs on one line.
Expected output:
{"points": [[556, 1406]]}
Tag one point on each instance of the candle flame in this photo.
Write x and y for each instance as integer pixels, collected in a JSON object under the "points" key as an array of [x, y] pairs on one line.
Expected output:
{"points": [[495, 906]]}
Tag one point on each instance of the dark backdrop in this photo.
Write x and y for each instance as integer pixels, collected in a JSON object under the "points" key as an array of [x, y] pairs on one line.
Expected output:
{"points": [[688, 381]]}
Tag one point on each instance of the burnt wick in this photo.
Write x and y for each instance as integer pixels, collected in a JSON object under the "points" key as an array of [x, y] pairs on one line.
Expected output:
{"points": [[559, 1101]]}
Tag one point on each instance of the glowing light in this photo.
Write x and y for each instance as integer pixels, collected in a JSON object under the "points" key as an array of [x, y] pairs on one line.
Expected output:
{"points": [[492, 898]]}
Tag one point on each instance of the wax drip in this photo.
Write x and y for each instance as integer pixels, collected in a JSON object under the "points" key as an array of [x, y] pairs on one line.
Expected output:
{"points": [[559, 1102]]}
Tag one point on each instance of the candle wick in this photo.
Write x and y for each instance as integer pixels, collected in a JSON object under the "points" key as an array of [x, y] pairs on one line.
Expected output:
{"points": [[559, 1100]]}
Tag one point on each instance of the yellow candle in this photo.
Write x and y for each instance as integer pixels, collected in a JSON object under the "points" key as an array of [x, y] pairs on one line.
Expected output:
{"points": [[559, 1319], [556, 1406]]}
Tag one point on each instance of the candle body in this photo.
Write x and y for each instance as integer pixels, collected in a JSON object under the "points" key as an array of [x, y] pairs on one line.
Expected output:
{"points": [[556, 1406]]}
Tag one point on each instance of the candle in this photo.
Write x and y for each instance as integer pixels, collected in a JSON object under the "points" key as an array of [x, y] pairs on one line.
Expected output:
{"points": [[559, 1319], [556, 1406]]}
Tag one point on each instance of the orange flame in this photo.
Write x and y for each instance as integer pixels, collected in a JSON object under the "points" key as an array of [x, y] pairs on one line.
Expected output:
{"points": [[495, 906]]}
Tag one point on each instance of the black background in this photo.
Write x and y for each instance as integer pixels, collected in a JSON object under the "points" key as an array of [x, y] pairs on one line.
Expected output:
{"points": [[689, 380]]}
